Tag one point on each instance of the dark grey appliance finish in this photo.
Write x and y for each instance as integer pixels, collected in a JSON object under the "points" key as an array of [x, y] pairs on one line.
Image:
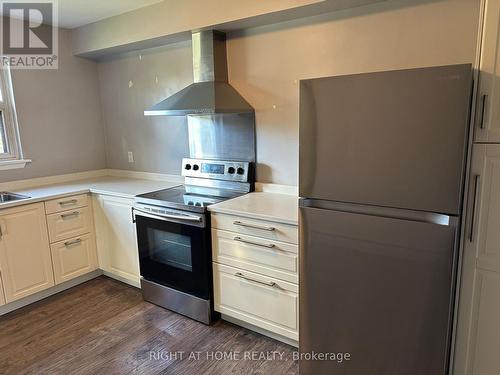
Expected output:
{"points": [[174, 235], [382, 164], [395, 139]]}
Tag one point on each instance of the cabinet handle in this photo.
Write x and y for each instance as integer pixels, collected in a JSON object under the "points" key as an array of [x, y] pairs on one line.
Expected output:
{"points": [[269, 246], [474, 203], [64, 216], [72, 201], [270, 283], [74, 242], [484, 100], [254, 226]]}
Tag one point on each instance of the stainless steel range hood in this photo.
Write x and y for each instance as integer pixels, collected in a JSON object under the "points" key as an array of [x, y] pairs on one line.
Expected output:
{"points": [[210, 93]]}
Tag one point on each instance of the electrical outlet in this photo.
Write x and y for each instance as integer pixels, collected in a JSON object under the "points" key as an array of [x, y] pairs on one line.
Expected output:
{"points": [[130, 157]]}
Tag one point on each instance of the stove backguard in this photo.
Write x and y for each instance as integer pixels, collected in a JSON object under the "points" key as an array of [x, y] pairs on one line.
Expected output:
{"points": [[222, 137]]}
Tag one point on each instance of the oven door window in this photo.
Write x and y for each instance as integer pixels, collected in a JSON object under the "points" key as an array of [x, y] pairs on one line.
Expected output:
{"points": [[175, 255], [170, 249]]}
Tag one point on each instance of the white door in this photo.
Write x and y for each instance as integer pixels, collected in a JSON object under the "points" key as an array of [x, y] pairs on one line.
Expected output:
{"points": [[478, 335], [116, 237], [487, 122], [25, 258], [74, 257]]}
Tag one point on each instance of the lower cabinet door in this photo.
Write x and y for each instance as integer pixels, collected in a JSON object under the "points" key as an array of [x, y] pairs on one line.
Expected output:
{"points": [[485, 335], [25, 258], [74, 257], [116, 237], [265, 302]]}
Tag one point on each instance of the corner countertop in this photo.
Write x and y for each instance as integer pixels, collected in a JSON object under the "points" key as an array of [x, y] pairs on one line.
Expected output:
{"points": [[281, 208], [117, 186]]}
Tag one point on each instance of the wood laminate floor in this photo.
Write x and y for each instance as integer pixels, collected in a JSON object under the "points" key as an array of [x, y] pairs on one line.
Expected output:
{"points": [[104, 327]]}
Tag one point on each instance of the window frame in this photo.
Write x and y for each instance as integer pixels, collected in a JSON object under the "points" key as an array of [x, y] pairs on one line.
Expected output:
{"points": [[14, 157]]}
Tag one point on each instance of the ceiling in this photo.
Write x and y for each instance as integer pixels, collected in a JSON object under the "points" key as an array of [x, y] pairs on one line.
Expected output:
{"points": [[75, 13]]}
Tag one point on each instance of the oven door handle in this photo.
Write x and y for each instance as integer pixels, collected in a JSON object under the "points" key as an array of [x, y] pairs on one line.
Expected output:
{"points": [[165, 217]]}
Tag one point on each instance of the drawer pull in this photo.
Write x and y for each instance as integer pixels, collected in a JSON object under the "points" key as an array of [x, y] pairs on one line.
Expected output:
{"points": [[269, 246], [254, 226], [270, 283], [64, 216], [65, 203], [74, 242]]}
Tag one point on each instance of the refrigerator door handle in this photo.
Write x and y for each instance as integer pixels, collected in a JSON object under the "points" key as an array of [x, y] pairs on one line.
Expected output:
{"points": [[388, 212], [474, 204]]}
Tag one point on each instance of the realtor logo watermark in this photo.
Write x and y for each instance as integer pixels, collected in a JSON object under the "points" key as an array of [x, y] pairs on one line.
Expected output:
{"points": [[29, 34]]}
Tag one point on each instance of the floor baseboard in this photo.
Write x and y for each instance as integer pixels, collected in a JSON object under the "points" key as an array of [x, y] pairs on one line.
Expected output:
{"points": [[48, 292]]}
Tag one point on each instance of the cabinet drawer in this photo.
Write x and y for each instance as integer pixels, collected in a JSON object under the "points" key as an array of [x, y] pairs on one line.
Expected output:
{"points": [[264, 256], [74, 257], [249, 297], [259, 228], [66, 203], [67, 224]]}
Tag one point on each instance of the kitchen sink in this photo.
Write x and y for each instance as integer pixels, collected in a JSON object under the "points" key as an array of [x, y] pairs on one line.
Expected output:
{"points": [[9, 197]]}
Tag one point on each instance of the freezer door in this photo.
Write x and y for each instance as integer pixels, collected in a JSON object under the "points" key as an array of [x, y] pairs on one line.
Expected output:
{"points": [[378, 288], [393, 139]]}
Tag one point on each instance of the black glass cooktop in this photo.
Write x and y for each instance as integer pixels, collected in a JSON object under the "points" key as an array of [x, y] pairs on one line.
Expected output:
{"points": [[191, 198]]}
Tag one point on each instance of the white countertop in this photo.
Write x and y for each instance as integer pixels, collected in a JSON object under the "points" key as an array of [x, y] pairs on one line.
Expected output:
{"points": [[281, 208], [117, 186]]}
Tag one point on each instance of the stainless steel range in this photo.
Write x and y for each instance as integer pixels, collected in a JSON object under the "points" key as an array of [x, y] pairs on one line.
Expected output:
{"points": [[173, 226], [173, 235]]}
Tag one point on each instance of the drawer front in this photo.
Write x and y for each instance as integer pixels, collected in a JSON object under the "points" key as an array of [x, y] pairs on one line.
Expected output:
{"points": [[68, 224], [253, 300], [74, 257], [66, 203], [264, 256], [258, 228]]}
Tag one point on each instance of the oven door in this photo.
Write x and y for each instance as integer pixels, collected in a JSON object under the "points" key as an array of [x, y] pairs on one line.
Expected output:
{"points": [[174, 250]]}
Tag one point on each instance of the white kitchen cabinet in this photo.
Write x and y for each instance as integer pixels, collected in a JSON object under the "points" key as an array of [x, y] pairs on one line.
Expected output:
{"points": [[66, 203], [255, 267], [265, 302], [267, 257], [256, 227], [487, 121], [116, 238], [74, 257], [478, 334], [25, 259], [67, 224]]}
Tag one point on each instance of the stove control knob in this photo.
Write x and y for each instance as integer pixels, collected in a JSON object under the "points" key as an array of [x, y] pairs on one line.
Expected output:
{"points": [[195, 167], [198, 204], [241, 171], [230, 170], [187, 167], [190, 203]]}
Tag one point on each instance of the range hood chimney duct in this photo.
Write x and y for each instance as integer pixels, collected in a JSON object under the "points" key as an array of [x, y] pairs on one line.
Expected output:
{"points": [[210, 93]]}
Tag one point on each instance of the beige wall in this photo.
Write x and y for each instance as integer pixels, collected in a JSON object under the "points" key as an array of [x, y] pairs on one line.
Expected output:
{"points": [[129, 85], [60, 111], [59, 117], [265, 65]]}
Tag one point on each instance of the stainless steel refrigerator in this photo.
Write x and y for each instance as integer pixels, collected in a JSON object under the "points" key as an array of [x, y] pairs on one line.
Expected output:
{"points": [[382, 166]]}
